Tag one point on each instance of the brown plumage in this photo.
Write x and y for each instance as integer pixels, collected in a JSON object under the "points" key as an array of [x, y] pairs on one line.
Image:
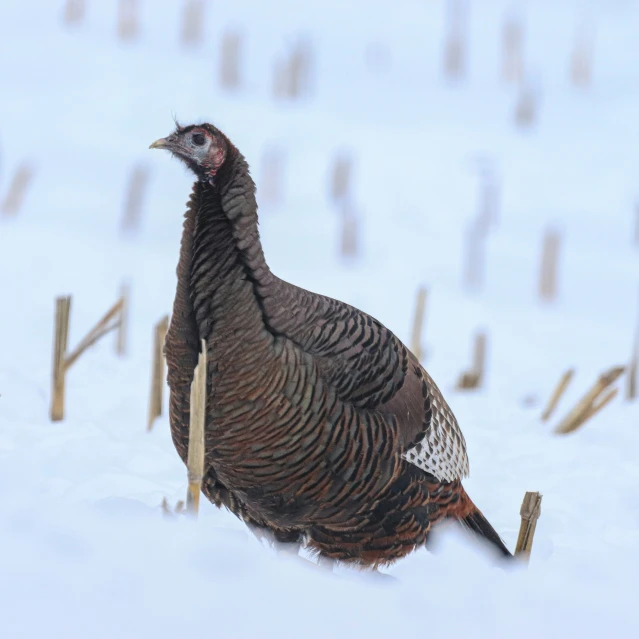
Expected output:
{"points": [[322, 427]]}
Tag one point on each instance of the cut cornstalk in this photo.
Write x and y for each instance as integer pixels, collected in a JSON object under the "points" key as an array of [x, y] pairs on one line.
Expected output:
{"points": [[157, 374], [128, 25], [475, 377], [527, 106], [195, 456], [581, 63], [418, 323], [292, 73], [102, 328], [479, 356], [591, 403], [549, 263], [512, 70], [168, 512], [341, 178], [192, 21], [61, 337], [349, 234], [456, 40], [557, 394], [230, 61], [299, 70], [62, 361], [73, 11], [530, 511], [604, 400], [17, 190], [120, 346]]}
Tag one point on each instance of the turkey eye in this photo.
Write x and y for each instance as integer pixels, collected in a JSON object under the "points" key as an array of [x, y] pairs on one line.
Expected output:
{"points": [[197, 139]]}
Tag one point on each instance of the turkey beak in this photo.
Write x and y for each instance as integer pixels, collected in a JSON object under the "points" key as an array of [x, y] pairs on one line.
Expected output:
{"points": [[162, 143]]}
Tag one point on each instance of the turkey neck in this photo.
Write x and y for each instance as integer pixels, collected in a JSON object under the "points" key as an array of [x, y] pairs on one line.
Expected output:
{"points": [[227, 267]]}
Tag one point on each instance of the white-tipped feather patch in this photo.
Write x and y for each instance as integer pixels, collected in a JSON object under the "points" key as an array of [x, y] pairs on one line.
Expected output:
{"points": [[442, 451]]}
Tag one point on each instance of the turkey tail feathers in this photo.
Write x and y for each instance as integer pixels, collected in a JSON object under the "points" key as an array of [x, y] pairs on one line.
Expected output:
{"points": [[479, 525]]}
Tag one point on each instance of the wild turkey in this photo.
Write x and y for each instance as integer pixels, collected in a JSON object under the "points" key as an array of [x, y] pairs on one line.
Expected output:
{"points": [[322, 428]]}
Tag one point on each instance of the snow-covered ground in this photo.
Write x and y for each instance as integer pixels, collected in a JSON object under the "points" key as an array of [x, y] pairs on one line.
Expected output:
{"points": [[84, 548]]}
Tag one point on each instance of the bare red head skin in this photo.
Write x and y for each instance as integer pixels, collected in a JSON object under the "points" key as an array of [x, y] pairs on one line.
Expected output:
{"points": [[202, 147]]}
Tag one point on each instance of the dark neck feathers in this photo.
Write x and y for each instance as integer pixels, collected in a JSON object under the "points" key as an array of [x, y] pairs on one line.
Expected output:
{"points": [[227, 272]]}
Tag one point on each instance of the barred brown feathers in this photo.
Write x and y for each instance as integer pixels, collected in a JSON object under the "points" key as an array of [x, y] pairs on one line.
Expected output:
{"points": [[321, 426]]}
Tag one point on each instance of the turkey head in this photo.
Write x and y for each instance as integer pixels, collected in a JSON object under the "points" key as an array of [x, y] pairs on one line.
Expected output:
{"points": [[203, 148]]}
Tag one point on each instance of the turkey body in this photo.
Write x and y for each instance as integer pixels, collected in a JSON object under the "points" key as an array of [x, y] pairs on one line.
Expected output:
{"points": [[321, 426]]}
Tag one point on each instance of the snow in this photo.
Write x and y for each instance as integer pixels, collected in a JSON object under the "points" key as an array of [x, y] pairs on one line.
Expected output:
{"points": [[85, 549]]}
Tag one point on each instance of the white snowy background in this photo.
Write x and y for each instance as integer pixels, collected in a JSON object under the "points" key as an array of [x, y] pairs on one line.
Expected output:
{"points": [[84, 548]]}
